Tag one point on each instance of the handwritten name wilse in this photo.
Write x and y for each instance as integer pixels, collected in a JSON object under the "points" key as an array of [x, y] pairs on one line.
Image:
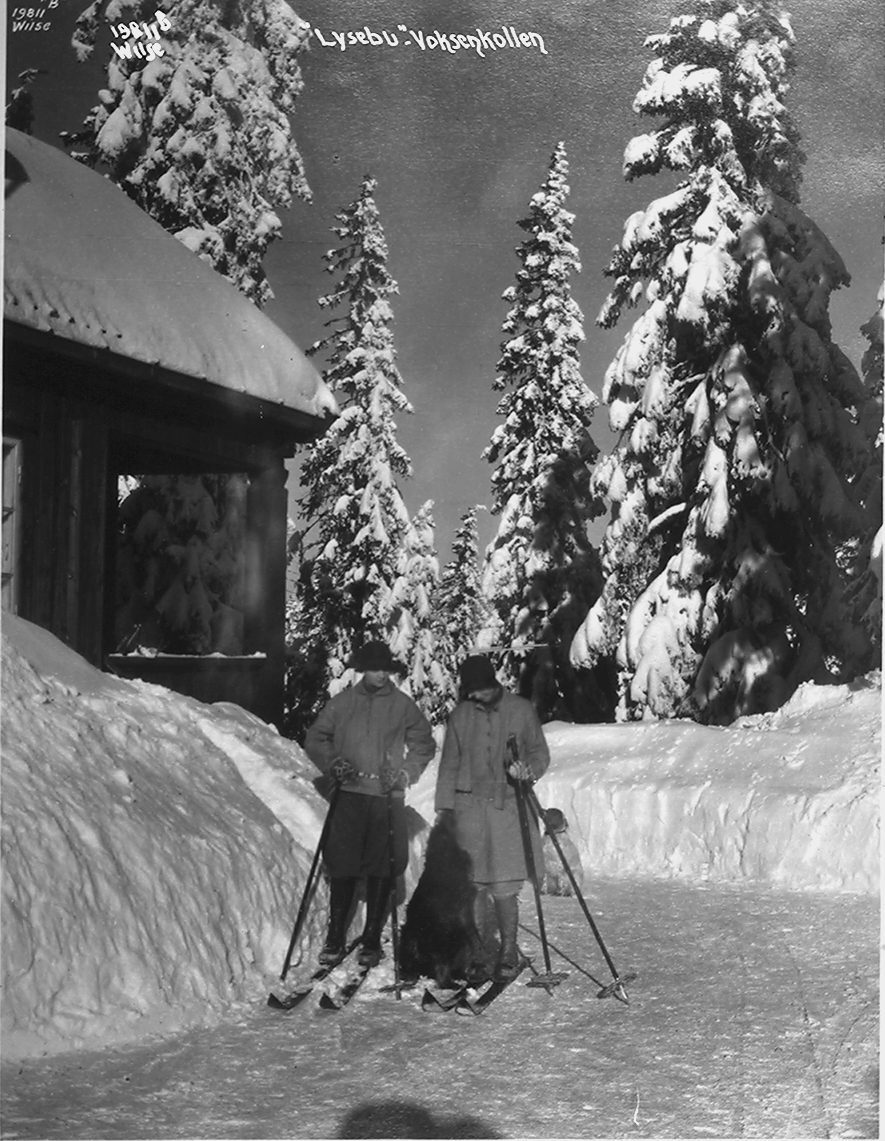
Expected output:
{"points": [[452, 42], [132, 32], [31, 19]]}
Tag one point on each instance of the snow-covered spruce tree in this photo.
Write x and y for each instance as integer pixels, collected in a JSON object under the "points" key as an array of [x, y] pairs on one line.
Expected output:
{"points": [[734, 483], [200, 136], [866, 592], [414, 639], [354, 523], [460, 610], [308, 640], [541, 563]]}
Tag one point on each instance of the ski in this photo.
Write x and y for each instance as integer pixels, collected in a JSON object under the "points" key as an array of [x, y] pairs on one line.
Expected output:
{"points": [[296, 997], [494, 990], [345, 993], [442, 1000], [447, 998]]}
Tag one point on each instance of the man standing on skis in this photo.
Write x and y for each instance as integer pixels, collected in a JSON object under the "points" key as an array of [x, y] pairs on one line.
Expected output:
{"points": [[373, 740], [473, 784]]}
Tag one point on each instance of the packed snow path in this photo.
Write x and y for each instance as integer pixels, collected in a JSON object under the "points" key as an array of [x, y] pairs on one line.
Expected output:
{"points": [[755, 1014]]}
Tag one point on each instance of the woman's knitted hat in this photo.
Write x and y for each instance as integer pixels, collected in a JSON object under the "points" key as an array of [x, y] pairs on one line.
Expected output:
{"points": [[477, 672]]}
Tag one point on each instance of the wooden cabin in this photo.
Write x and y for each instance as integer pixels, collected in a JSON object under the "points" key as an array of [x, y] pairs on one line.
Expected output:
{"points": [[126, 354]]}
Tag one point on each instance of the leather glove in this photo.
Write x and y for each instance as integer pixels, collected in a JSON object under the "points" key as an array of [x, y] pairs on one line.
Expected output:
{"points": [[516, 768], [342, 770], [519, 770], [394, 779]]}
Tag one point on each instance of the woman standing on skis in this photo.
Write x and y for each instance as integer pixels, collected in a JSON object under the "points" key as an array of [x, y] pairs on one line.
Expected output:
{"points": [[473, 784]]}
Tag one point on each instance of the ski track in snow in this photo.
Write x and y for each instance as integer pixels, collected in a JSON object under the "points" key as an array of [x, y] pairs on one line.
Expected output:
{"points": [[754, 1014]]}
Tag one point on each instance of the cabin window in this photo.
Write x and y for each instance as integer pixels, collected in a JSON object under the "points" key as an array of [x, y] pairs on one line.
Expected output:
{"points": [[180, 564], [12, 453]]}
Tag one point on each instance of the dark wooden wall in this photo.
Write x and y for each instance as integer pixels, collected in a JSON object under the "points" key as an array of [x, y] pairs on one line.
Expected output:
{"points": [[63, 506], [80, 426]]}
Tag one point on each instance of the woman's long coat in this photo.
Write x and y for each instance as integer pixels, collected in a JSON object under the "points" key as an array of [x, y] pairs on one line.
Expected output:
{"points": [[472, 780]]}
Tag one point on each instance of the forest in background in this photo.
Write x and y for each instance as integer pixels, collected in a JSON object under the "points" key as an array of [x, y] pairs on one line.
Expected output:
{"points": [[742, 552]]}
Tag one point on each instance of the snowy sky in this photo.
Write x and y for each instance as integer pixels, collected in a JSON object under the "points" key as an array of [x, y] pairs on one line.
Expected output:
{"points": [[459, 143]]}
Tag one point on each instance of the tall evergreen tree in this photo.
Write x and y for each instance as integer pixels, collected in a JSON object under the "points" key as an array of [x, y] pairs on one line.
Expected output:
{"points": [[414, 593], [541, 559], [461, 608], [354, 523], [200, 136], [460, 611], [866, 591], [734, 482]]}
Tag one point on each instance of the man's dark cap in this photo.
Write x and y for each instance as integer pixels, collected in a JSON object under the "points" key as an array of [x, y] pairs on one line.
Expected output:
{"points": [[375, 656], [477, 672]]}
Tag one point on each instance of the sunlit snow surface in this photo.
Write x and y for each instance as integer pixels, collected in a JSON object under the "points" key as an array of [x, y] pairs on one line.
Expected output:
{"points": [[145, 885], [754, 1015], [150, 870]]}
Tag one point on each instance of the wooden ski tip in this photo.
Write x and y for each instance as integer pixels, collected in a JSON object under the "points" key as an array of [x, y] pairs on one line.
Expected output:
{"points": [[289, 1002]]}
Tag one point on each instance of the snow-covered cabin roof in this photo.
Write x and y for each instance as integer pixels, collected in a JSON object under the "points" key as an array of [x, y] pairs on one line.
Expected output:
{"points": [[84, 263]]}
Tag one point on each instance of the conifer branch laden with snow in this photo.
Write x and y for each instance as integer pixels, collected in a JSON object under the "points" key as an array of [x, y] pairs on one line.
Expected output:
{"points": [[366, 567], [737, 414], [460, 610], [865, 593], [541, 560], [414, 641], [200, 137]]}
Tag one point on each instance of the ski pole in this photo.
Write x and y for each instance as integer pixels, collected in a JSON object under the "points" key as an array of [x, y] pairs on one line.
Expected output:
{"points": [[394, 918], [615, 988], [519, 787], [310, 885]]}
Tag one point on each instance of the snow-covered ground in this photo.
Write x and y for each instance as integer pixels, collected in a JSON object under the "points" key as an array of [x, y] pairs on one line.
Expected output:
{"points": [[154, 848], [754, 1014]]}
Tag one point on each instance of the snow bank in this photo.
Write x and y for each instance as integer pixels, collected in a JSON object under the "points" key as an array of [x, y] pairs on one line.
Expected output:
{"points": [[155, 848], [789, 798], [146, 886]]}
